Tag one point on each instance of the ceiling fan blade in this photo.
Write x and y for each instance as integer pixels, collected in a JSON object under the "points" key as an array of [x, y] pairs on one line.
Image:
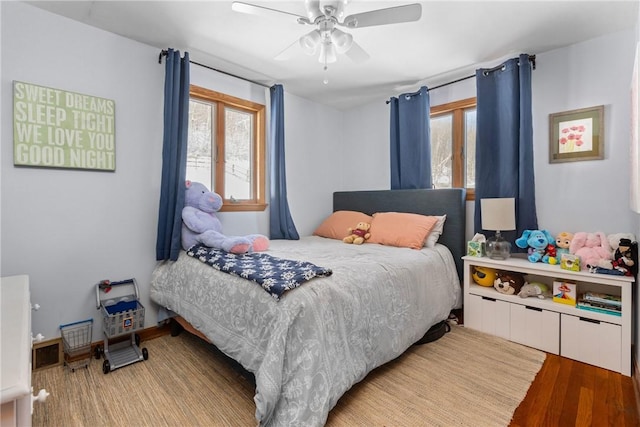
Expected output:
{"points": [[289, 52], [251, 9], [357, 53], [392, 15]]}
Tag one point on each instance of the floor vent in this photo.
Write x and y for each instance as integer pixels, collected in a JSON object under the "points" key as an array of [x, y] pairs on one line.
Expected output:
{"points": [[46, 354]]}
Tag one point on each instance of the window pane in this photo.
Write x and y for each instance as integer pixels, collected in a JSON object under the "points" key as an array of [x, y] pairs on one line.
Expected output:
{"points": [[470, 144], [199, 143], [441, 143], [238, 154]]}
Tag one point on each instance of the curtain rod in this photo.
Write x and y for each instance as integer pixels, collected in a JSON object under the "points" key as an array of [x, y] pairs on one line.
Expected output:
{"points": [[165, 52], [532, 59]]}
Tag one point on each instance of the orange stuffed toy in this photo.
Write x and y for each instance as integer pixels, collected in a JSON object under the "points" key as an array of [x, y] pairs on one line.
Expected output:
{"points": [[358, 235]]}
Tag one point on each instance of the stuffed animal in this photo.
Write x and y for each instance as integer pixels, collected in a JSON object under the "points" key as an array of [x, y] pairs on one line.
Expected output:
{"points": [[563, 241], [625, 259], [358, 235], [535, 289], [614, 239], [592, 248], [509, 283], [540, 244], [200, 224], [484, 276]]}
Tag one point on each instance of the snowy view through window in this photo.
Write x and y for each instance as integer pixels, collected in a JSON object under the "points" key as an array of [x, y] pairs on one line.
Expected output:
{"points": [[442, 146], [238, 136]]}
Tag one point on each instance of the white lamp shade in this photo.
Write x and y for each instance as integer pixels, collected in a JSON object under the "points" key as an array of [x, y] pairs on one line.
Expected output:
{"points": [[498, 214], [342, 40], [310, 41], [327, 52]]}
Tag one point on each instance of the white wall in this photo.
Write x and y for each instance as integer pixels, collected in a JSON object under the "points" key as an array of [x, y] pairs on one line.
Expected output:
{"points": [[314, 160], [68, 229], [588, 195]]}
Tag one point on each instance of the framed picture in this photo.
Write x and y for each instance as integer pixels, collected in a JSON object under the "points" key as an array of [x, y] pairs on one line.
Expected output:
{"points": [[576, 135]]}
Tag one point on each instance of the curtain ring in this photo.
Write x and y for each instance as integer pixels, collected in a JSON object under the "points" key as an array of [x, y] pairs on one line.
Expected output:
{"points": [[501, 68]]}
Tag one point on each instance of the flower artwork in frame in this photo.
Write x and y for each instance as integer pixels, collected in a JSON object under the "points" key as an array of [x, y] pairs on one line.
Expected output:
{"points": [[576, 135]]}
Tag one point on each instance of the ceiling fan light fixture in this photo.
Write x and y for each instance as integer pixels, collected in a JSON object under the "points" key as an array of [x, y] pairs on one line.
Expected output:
{"points": [[343, 41], [309, 42], [313, 9], [327, 53]]}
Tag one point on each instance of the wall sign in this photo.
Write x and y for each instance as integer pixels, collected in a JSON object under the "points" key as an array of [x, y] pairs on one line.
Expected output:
{"points": [[60, 129]]}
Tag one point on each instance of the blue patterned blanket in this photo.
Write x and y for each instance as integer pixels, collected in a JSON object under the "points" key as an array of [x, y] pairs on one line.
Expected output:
{"points": [[275, 275]]}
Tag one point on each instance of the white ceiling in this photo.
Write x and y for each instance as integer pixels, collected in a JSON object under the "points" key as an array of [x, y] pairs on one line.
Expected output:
{"points": [[450, 41]]}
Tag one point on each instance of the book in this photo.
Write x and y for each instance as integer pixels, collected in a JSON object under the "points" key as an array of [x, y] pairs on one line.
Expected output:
{"points": [[604, 298], [599, 305], [599, 310]]}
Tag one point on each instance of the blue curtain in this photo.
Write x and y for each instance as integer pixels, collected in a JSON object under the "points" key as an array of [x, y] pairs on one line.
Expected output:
{"points": [[281, 224], [410, 137], [504, 141], [174, 155]]}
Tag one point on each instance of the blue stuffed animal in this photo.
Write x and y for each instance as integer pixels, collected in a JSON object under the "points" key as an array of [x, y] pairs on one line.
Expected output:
{"points": [[541, 246], [200, 224]]}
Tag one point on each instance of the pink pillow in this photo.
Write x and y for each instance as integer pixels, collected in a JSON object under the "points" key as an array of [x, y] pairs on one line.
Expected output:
{"points": [[337, 225], [404, 230]]}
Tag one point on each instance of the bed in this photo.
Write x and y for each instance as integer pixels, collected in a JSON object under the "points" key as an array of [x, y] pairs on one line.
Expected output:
{"points": [[310, 346]]}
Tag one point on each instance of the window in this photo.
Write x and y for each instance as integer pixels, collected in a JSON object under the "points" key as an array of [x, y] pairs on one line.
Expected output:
{"points": [[453, 145], [226, 148]]}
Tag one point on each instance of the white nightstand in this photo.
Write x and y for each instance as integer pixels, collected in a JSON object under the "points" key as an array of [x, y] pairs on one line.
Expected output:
{"points": [[596, 338], [15, 353]]}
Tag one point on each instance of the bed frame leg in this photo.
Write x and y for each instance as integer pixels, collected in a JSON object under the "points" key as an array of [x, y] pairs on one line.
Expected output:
{"points": [[176, 328]]}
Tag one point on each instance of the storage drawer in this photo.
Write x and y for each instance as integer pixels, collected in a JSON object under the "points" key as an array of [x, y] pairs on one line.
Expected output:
{"points": [[591, 341], [535, 327], [488, 315]]}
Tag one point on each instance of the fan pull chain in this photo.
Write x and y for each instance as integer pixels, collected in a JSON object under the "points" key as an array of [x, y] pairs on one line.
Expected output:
{"points": [[326, 75]]}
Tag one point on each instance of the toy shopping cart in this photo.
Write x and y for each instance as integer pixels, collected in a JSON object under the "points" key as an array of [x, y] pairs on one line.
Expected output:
{"points": [[121, 316], [76, 341]]}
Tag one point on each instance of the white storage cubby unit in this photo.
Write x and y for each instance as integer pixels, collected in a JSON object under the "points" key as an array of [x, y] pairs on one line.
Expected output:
{"points": [[595, 338]]}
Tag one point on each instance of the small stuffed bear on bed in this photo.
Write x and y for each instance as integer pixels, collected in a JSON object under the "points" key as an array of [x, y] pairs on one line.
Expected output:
{"points": [[200, 224], [358, 235]]}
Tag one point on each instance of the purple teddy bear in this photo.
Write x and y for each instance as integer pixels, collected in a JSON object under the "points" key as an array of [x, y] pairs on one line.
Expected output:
{"points": [[200, 224]]}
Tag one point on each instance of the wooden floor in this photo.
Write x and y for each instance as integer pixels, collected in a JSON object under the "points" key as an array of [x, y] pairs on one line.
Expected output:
{"points": [[570, 393]]}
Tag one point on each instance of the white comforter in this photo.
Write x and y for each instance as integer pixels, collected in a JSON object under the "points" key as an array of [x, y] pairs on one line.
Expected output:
{"points": [[309, 348]]}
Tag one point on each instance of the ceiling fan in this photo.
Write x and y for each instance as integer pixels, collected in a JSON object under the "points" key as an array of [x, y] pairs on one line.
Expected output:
{"points": [[327, 16]]}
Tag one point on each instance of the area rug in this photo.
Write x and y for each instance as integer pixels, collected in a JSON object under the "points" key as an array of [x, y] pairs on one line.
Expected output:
{"points": [[466, 378]]}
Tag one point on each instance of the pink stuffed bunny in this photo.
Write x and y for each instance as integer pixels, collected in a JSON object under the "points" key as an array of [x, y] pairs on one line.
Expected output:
{"points": [[591, 248]]}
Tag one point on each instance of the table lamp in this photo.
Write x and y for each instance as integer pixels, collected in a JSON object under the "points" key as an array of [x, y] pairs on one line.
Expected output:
{"points": [[498, 215]]}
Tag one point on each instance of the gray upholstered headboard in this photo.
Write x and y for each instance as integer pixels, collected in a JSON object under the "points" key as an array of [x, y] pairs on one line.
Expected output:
{"points": [[424, 202]]}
